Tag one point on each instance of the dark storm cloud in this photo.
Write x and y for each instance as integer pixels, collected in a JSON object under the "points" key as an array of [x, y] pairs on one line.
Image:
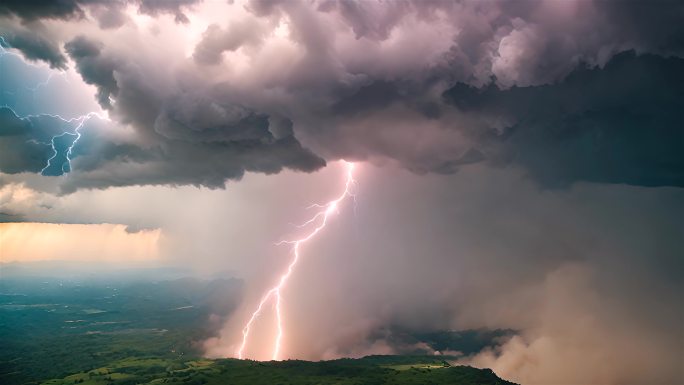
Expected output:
{"points": [[94, 68], [32, 10], [630, 132], [430, 85], [35, 47], [179, 163], [376, 95], [177, 135], [194, 118], [70, 9], [8, 217], [654, 25], [11, 123], [620, 124]]}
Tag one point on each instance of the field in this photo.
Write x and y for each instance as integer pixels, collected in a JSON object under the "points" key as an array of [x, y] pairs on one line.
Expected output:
{"points": [[62, 331]]}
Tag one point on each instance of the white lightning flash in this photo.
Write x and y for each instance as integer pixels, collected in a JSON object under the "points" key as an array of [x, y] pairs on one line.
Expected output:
{"points": [[319, 221], [79, 121]]}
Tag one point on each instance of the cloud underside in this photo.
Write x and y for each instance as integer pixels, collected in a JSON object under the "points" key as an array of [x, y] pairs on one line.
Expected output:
{"points": [[506, 85]]}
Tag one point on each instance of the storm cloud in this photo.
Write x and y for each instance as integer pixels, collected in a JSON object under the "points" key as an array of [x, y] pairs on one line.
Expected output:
{"points": [[520, 164], [619, 124], [433, 86]]}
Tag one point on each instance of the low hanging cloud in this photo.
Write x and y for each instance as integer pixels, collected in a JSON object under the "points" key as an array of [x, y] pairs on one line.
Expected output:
{"points": [[581, 335]]}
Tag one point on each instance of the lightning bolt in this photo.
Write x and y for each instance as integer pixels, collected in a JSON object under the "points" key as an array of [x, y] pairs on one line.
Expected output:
{"points": [[319, 220], [80, 120], [3, 48]]}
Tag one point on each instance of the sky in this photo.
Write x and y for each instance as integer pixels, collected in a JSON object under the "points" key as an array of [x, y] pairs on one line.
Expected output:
{"points": [[518, 165]]}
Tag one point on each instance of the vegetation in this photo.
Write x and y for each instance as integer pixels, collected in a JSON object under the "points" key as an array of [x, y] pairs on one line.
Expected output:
{"points": [[92, 332], [54, 328], [230, 371]]}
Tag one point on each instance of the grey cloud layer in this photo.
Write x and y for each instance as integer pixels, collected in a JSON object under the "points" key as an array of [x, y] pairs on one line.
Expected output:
{"points": [[620, 124], [431, 85]]}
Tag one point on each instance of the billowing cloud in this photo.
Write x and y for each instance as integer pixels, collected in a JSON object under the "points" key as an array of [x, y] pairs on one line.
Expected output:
{"points": [[35, 47], [215, 40], [482, 82], [597, 337]]}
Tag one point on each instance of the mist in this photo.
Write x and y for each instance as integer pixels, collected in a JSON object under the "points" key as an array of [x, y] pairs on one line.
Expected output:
{"points": [[572, 271]]}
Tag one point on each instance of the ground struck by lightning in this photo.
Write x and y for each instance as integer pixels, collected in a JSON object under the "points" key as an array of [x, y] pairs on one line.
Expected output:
{"points": [[274, 295]]}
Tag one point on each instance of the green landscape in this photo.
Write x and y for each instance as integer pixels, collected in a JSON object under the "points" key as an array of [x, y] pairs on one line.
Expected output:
{"points": [[367, 370], [141, 331]]}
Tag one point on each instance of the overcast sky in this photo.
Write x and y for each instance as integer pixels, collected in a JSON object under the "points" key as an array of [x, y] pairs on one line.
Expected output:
{"points": [[519, 165]]}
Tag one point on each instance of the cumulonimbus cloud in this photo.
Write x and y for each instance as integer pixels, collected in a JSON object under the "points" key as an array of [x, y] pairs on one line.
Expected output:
{"points": [[433, 86]]}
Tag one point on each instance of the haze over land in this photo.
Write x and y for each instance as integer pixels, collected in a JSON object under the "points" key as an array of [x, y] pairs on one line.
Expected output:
{"points": [[519, 175]]}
